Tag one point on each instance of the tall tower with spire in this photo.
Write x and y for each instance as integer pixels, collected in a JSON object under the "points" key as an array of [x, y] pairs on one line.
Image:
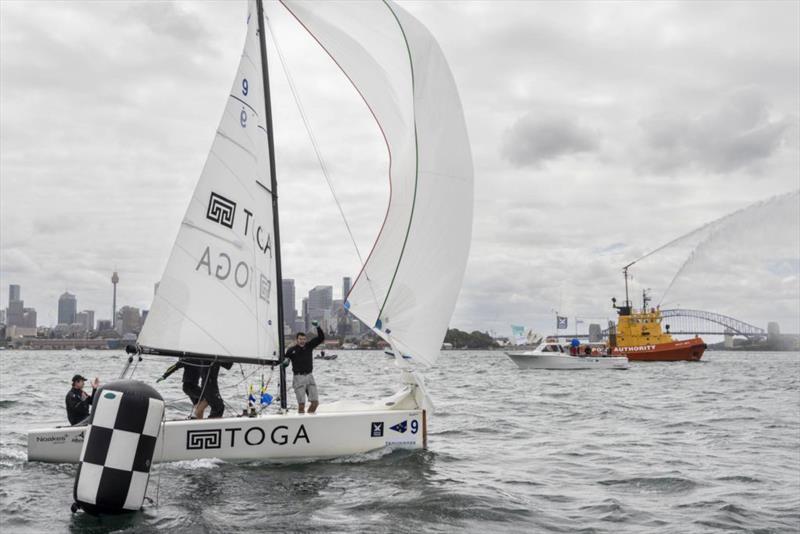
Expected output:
{"points": [[114, 280]]}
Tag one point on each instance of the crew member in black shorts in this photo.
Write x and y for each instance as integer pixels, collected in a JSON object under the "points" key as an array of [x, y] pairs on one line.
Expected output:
{"points": [[210, 390], [192, 372]]}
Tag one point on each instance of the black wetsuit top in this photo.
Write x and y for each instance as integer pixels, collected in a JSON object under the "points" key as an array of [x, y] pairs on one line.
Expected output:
{"points": [[77, 405], [193, 370], [303, 357], [209, 376]]}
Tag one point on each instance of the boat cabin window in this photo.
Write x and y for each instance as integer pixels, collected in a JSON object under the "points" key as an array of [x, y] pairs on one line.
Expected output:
{"points": [[551, 348]]}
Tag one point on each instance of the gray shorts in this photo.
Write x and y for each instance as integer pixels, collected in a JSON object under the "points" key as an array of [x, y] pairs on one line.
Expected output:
{"points": [[305, 384]]}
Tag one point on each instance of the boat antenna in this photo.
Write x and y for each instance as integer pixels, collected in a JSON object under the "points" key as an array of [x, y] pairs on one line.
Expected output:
{"points": [[262, 40], [625, 273]]}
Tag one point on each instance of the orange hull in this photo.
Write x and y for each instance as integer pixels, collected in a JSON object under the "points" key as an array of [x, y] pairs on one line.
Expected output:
{"points": [[677, 351]]}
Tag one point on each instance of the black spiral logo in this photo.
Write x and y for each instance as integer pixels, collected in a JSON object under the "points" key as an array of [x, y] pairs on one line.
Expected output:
{"points": [[203, 439], [221, 210]]}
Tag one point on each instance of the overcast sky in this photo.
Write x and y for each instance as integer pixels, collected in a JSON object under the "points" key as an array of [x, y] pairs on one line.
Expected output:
{"points": [[600, 131]]}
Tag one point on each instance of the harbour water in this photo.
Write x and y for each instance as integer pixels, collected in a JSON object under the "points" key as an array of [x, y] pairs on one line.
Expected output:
{"points": [[712, 446]]}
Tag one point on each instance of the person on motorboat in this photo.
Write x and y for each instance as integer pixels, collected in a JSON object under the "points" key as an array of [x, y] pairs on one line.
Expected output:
{"points": [[210, 391], [192, 374], [78, 401], [301, 354]]}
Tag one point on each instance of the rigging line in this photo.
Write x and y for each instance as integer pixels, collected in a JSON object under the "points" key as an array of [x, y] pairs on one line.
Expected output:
{"points": [[318, 153]]}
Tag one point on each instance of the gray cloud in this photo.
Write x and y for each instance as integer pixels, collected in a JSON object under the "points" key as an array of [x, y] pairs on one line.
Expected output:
{"points": [[107, 112], [738, 132], [535, 138]]}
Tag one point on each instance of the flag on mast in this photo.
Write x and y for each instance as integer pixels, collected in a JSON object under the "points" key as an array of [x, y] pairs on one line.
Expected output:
{"points": [[561, 322]]}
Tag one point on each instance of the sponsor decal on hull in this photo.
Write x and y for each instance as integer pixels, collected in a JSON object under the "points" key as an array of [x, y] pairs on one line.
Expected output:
{"points": [[216, 438], [641, 348], [51, 439]]}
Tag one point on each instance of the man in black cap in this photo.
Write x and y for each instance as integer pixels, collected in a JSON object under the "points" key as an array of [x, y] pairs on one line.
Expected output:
{"points": [[78, 401]]}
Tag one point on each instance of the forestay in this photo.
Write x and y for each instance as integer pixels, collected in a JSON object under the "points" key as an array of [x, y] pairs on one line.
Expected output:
{"points": [[410, 282], [218, 291]]}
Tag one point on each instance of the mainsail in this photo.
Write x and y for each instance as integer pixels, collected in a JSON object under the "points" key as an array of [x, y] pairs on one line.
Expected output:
{"points": [[409, 284], [218, 292]]}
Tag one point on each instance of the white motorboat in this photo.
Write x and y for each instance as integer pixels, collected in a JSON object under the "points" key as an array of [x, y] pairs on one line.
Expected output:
{"points": [[553, 356]]}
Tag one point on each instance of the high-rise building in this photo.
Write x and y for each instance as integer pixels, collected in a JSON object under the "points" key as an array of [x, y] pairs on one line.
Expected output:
{"points": [[67, 308], [305, 315], [82, 318], [15, 313], [346, 285], [320, 300], [289, 310], [2, 317], [28, 317], [14, 293], [16, 307], [129, 320], [85, 319], [103, 325]]}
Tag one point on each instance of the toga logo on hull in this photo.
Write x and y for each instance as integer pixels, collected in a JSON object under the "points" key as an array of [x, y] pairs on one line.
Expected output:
{"points": [[214, 438]]}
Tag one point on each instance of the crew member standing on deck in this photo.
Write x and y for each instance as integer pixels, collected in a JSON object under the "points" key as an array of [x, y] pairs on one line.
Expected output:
{"points": [[210, 391], [192, 371], [78, 401], [301, 356]]}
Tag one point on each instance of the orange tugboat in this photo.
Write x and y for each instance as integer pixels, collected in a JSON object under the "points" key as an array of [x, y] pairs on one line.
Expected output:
{"points": [[638, 335]]}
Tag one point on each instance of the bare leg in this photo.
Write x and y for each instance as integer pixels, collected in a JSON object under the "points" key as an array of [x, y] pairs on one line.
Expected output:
{"points": [[301, 408], [200, 408], [313, 407]]}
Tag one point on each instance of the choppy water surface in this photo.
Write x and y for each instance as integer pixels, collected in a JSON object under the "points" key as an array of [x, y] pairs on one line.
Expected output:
{"points": [[662, 447]]}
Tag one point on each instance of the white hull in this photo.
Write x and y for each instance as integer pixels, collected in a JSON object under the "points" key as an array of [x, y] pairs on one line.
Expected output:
{"points": [[538, 360], [267, 437], [338, 429]]}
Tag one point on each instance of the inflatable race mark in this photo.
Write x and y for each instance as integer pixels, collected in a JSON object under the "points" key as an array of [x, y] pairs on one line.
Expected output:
{"points": [[118, 449]]}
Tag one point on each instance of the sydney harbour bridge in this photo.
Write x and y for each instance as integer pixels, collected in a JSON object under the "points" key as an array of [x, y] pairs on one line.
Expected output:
{"points": [[683, 321]]}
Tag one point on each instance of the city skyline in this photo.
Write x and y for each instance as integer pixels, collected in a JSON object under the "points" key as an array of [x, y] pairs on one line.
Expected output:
{"points": [[657, 119], [67, 304]]}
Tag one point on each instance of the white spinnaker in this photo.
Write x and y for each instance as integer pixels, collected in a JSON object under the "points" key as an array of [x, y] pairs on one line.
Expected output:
{"points": [[218, 293], [410, 282]]}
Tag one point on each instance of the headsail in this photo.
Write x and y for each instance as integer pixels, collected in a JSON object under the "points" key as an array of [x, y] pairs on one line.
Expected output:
{"points": [[410, 282], [218, 291]]}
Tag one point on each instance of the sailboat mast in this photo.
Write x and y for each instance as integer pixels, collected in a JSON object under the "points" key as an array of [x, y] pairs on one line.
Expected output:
{"points": [[262, 39]]}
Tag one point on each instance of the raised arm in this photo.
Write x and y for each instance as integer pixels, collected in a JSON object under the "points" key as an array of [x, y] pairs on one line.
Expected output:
{"points": [[317, 340]]}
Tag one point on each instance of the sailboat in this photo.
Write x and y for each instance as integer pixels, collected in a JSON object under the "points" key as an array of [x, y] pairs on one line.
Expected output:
{"points": [[220, 297]]}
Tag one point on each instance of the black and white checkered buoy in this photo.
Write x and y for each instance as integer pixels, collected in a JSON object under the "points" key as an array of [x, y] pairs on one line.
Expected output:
{"points": [[118, 448]]}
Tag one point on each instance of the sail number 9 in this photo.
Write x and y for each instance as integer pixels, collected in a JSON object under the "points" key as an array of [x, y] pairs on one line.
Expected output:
{"points": [[414, 426], [244, 86]]}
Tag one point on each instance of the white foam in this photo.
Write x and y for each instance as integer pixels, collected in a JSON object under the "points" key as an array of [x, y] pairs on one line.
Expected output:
{"points": [[200, 463]]}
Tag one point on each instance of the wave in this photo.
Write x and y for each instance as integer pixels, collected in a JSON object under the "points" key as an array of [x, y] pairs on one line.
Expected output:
{"points": [[196, 465], [740, 478], [653, 484], [7, 403]]}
